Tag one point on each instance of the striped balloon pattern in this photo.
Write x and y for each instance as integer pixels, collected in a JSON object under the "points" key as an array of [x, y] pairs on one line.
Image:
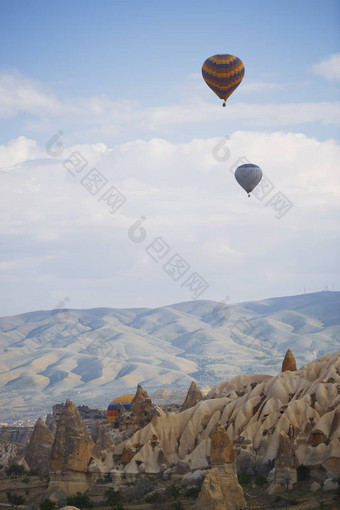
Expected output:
{"points": [[124, 400], [223, 74], [248, 176]]}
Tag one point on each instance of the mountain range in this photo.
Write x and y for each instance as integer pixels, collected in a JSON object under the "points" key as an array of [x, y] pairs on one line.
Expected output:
{"points": [[93, 355]]}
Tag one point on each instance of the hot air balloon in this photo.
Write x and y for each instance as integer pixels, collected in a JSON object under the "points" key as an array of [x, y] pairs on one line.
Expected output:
{"points": [[248, 176], [112, 410], [223, 74]]}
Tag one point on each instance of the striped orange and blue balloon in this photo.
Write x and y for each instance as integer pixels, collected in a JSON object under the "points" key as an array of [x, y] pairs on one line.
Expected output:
{"points": [[223, 74], [112, 410]]}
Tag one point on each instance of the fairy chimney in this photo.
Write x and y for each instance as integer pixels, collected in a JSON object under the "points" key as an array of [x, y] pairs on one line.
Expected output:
{"points": [[289, 362]]}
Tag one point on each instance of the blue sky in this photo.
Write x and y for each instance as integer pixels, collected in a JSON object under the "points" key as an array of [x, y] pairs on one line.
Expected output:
{"points": [[146, 51], [122, 81]]}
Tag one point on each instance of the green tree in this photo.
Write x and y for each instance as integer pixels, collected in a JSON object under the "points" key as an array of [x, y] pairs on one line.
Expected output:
{"points": [[173, 492], [158, 500], [48, 504], [15, 499], [15, 470], [80, 500], [245, 478], [260, 480], [113, 498], [193, 492]]}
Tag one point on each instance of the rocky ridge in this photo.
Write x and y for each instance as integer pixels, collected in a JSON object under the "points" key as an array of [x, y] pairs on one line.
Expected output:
{"points": [[255, 410], [286, 420], [48, 356]]}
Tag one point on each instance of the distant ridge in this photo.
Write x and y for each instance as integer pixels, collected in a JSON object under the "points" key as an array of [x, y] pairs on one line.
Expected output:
{"points": [[93, 355]]}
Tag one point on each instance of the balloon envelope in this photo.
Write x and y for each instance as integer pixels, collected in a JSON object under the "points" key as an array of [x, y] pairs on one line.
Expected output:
{"points": [[112, 410], [248, 176], [223, 73]]}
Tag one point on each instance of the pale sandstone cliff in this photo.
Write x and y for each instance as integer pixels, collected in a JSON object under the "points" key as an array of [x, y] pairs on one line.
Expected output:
{"points": [[255, 410]]}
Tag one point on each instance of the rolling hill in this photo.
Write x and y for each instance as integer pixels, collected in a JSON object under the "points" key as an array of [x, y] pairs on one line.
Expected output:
{"points": [[93, 355]]}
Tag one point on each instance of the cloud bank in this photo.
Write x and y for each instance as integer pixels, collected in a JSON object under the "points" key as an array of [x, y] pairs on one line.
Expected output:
{"points": [[101, 118], [98, 248]]}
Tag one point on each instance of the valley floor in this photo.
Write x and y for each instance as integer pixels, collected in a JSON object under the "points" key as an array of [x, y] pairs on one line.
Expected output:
{"points": [[300, 498]]}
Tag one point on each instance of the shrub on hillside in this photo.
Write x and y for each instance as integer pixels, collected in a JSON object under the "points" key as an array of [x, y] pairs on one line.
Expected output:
{"points": [[260, 480], [48, 504], [245, 478], [79, 500], [15, 470], [173, 492], [15, 499], [193, 492], [113, 498]]}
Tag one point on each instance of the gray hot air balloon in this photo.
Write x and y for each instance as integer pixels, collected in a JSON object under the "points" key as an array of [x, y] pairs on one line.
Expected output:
{"points": [[248, 176]]}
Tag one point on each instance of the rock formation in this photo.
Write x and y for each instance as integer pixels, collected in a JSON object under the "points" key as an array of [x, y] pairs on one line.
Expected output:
{"points": [[8, 452], [70, 455], [255, 409], [13, 442], [194, 396], [140, 413], [289, 362], [285, 475], [38, 452], [292, 418], [52, 419], [330, 485], [103, 435], [72, 445], [220, 489], [16, 434], [221, 448]]}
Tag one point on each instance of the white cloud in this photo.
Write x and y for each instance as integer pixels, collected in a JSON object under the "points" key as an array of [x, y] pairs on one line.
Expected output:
{"points": [[17, 151], [18, 93], [101, 118], [329, 68], [59, 235]]}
